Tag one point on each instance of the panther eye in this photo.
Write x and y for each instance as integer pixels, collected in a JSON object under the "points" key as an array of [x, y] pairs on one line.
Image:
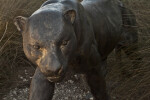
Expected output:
{"points": [[64, 42], [36, 47]]}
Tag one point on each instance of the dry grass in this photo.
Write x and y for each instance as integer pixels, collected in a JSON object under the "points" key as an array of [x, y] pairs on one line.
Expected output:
{"points": [[137, 85], [134, 87], [11, 53]]}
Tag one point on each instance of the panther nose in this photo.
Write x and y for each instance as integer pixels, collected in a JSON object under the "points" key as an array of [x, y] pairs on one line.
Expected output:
{"points": [[52, 71]]}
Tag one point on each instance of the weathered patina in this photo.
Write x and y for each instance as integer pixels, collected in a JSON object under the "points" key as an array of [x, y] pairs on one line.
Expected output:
{"points": [[69, 33]]}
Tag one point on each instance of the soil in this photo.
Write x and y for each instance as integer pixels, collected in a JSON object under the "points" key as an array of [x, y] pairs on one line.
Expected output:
{"points": [[73, 87]]}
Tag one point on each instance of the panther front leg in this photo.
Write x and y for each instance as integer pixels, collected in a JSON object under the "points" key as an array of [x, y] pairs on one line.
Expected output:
{"points": [[97, 84], [41, 88]]}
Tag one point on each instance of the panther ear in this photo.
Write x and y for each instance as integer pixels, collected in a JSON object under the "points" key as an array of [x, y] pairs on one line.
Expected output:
{"points": [[20, 23], [70, 15]]}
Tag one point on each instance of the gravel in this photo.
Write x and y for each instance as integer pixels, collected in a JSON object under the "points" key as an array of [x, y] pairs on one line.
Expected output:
{"points": [[72, 88]]}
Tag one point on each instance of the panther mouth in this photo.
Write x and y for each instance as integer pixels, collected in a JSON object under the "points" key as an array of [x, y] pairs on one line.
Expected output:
{"points": [[57, 78], [54, 79]]}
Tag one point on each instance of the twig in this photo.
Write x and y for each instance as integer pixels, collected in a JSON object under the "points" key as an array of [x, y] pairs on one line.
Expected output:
{"points": [[6, 42], [4, 31]]}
